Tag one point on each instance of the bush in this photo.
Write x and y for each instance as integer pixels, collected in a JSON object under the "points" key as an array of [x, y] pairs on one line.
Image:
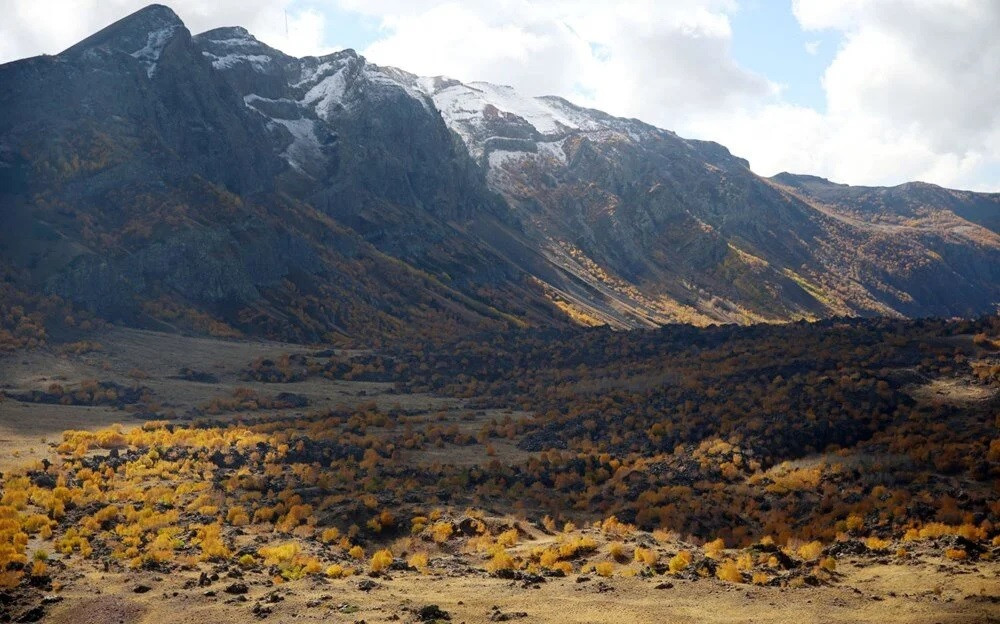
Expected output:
{"points": [[501, 560], [338, 571], [381, 560], [810, 551], [418, 561], [645, 556], [714, 548], [617, 551], [679, 561], [729, 571], [876, 544], [441, 531]]}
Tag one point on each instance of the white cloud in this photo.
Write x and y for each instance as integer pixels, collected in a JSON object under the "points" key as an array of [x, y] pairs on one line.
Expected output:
{"points": [[912, 91], [654, 60], [32, 27], [912, 94]]}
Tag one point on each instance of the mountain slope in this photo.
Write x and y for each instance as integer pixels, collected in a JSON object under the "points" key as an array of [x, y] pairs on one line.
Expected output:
{"points": [[149, 187], [156, 177], [683, 230]]}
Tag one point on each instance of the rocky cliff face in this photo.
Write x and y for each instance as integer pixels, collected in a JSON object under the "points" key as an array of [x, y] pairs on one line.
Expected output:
{"points": [[671, 229], [143, 165], [302, 196]]}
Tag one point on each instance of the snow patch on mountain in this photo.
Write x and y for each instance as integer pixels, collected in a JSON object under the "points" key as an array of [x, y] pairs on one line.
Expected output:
{"points": [[480, 112], [462, 104], [310, 74], [498, 158], [399, 79], [156, 40], [253, 97], [327, 93], [305, 148], [259, 61], [553, 150]]}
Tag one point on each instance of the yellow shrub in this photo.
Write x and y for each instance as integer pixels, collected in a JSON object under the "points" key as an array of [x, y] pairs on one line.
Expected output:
{"points": [[759, 578], [955, 554], [418, 561], [810, 551], [35, 523], [507, 538], [564, 566], [501, 560], [548, 557], [264, 514], [576, 546], [855, 522], [441, 531], [744, 561], [714, 548], [679, 561], [645, 556], [662, 536], [971, 532], [617, 551], [874, 543], [381, 560], [615, 527], [278, 554], [10, 579], [604, 568], [729, 571], [338, 571], [212, 546], [828, 563], [934, 530], [356, 552], [237, 516]]}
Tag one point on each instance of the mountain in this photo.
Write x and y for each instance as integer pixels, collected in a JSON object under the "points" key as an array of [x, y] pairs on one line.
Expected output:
{"points": [[139, 184], [155, 177], [670, 229]]}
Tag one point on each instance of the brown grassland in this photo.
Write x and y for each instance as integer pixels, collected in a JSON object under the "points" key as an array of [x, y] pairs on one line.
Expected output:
{"points": [[844, 471]]}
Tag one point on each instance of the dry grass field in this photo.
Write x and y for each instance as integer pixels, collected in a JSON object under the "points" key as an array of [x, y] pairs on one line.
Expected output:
{"points": [[916, 583]]}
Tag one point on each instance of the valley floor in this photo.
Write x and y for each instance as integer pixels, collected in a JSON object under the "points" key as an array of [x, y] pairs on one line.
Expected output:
{"points": [[922, 592], [922, 586]]}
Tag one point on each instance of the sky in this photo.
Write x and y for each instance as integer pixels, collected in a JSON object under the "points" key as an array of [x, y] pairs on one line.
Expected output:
{"points": [[858, 91]]}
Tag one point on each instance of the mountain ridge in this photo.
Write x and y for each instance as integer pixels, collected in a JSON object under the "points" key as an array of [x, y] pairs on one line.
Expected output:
{"points": [[528, 210]]}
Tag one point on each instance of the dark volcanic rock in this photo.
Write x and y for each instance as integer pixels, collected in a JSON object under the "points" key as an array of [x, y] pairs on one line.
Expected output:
{"points": [[432, 612]]}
